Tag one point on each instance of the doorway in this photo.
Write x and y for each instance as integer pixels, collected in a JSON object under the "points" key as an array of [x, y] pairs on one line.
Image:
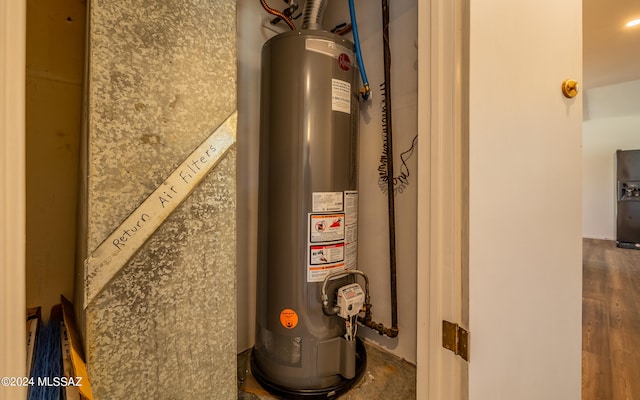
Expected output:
{"points": [[611, 121]]}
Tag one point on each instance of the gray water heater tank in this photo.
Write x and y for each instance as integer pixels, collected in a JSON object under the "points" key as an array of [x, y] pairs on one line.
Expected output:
{"points": [[307, 217]]}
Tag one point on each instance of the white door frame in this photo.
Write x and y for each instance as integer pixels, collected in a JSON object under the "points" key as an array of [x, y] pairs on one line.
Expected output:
{"points": [[441, 195], [12, 198]]}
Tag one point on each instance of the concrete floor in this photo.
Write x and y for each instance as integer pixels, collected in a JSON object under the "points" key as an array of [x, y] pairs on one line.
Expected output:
{"points": [[386, 377]]}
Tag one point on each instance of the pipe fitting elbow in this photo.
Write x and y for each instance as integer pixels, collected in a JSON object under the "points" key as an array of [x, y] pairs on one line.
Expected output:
{"points": [[330, 311]]}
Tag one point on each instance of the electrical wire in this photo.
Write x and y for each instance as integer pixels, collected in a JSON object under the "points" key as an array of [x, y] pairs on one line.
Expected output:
{"points": [[278, 14], [404, 168], [354, 325], [341, 29], [366, 92], [401, 180], [351, 327]]}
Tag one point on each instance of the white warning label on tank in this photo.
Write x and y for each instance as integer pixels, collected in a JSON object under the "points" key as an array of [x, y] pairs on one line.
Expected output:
{"points": [[351, 207], [326, 254], [340, 96], [327, 201], [326, 227], [351, 229], [333, 236]]}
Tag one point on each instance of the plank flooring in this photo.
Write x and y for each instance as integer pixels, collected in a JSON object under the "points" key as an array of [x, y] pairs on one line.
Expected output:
{"points": [[610, 322]]}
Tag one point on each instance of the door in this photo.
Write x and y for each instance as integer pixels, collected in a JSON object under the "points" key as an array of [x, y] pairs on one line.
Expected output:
{"points": [[500, 198]]}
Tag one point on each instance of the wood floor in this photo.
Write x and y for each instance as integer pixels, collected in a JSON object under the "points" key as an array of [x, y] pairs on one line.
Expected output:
{"points": [[610, 322]]}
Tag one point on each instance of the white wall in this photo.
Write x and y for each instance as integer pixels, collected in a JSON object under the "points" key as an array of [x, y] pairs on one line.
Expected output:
{"points": [[373, 254], [612, 122], [55, 62], [373, 233]]}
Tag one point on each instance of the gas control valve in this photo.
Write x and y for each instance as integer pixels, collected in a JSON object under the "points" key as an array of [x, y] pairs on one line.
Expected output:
{"points": [[350, 300]]}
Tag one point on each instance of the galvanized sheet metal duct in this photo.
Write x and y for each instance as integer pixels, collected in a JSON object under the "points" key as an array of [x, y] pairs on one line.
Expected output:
{"points": [[313, 14]]}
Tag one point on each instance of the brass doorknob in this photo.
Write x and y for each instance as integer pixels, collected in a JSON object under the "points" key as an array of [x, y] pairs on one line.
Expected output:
{"points": [[570, 88]]}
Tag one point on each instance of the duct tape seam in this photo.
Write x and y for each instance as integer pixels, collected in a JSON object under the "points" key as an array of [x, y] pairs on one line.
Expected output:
{"points": [[118, 248]]}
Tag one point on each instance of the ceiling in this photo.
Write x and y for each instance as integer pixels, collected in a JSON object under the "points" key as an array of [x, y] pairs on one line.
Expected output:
{"points": [[611, 52]]}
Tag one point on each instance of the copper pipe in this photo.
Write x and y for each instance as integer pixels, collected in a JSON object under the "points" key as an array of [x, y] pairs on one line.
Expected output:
{"points": [[279, 14]]}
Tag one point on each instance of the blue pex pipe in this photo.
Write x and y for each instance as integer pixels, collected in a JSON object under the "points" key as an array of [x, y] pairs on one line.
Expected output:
{"points": [[47, 364], [356, 39]]}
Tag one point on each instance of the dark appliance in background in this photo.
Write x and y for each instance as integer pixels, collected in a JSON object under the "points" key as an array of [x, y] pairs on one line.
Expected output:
{"points": [[628, 199]]}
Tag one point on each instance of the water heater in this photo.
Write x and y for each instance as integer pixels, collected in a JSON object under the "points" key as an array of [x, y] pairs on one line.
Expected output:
{"points": [[307, 222]]}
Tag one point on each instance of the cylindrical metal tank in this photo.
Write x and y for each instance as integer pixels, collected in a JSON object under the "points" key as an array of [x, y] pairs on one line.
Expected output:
{"points": [[307, 222]]}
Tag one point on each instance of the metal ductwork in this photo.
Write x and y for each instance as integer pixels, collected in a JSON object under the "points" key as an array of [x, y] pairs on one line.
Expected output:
{"points": [[313, 14]]}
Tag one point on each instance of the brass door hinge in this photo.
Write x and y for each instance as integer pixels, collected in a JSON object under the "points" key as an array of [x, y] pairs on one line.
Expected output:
{"points": [[456, 339]]}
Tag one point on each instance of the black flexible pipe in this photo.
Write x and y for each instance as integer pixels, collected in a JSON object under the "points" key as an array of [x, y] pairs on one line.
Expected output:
{"points": [[390, 192]]}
